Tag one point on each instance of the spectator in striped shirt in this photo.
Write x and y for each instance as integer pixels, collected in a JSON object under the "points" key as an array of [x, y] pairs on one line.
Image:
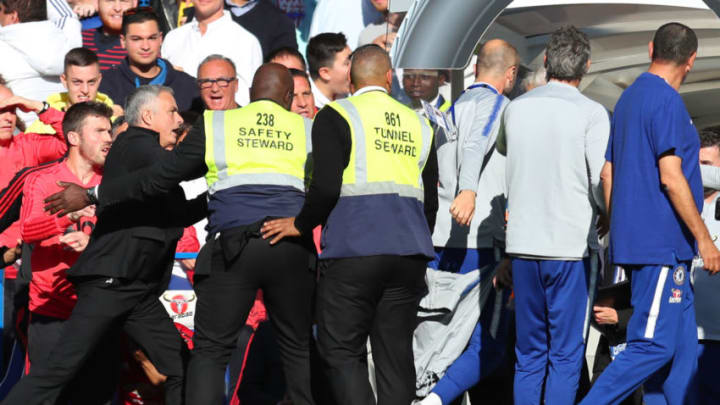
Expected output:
{"points": [[81, 78], [105, 40]]}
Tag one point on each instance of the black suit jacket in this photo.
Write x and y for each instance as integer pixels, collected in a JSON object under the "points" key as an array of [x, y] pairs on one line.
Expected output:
{"points": [[137, 239]]}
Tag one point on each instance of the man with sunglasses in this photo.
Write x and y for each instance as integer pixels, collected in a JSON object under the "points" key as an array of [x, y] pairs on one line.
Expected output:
{"points": [[142, 38]]}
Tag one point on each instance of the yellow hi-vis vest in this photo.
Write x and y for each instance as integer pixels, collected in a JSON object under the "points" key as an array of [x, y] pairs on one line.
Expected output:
{"points": [[390, 145], [382, 183], [261, 143]]}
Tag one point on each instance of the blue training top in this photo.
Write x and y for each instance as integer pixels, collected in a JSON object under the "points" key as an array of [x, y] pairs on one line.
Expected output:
{"points": [[650, 119]]}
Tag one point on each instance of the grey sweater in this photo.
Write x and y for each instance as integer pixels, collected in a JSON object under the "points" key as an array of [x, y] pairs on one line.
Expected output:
{"points": [[555, 140]]}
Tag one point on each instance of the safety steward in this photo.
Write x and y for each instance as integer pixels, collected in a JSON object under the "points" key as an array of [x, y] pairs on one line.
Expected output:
{"points": [[256, 159], [371, 157]]}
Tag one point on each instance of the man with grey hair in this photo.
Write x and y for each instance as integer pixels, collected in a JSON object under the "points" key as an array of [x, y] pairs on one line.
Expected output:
{"points": [[217, 79], [554, 139], [534, 79], [126, 264]]}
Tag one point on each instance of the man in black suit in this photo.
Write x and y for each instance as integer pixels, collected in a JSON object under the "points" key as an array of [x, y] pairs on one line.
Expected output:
{"points": [[126, 265]]}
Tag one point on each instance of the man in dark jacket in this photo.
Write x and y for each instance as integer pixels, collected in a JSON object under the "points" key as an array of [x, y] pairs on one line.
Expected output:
{"points": [[124, 268], [142, 38]]}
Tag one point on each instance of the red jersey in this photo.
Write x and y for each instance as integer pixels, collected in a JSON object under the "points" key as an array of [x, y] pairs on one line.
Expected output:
{"points": [[51, 294], [26, 150]]}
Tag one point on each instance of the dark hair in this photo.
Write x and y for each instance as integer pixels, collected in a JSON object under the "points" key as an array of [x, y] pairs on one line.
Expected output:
{"points": [[80, 57], [139, 15], [76, 114], [321, 50], [117, 123], [27, 10], [299, 73], [287, 52], [674, 42], [709, 137], [568, 52]]}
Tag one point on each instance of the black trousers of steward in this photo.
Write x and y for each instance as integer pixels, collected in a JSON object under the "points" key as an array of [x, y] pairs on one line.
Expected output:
{"points": [[375, 297], [240, 264]]}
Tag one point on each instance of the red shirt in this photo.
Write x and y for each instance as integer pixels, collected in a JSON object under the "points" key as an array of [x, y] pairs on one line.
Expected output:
{"points": [[51, 294], [27, 150]]}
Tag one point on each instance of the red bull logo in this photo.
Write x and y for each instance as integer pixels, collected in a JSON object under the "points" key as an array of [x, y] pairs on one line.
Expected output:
{"points": [[179, 302]]}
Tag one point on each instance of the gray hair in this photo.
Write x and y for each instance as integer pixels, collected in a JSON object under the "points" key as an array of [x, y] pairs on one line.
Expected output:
{"points": [[140, 98], [568, 53], [534, 79], [216, 56]]}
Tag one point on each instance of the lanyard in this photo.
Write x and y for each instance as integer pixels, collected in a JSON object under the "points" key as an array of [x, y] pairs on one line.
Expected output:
{"points": [[475, 86]]}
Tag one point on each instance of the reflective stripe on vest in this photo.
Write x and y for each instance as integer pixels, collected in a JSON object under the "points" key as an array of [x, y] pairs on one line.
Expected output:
{"points": [[389, 149], [261, 143]]}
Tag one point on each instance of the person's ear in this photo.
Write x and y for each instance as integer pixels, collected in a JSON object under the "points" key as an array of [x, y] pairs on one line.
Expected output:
{"points": [[73, 138], [388, 80], [441, 80], [324, 74], [587, 65], [122, 41], [650, 50], [288, 99], [147, 117], [14, 19], [511, 73], [691, 62], [545, 61], [63, 80]]}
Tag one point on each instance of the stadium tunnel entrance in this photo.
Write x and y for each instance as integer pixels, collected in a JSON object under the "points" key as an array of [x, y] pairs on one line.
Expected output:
{"points": [[444, 35]]}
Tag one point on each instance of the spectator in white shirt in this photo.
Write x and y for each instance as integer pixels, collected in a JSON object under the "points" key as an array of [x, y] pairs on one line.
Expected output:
{"points": [[214, 32], [328, 58]]}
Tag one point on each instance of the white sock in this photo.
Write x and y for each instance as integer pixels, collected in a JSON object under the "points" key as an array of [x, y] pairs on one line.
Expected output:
{"points": [[432, 399]]}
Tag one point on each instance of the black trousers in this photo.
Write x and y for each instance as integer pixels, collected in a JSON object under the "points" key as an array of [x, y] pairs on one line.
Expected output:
{"points": [[375, 297], [96, 381], [225, 297], [105, 303], [15, 318]]}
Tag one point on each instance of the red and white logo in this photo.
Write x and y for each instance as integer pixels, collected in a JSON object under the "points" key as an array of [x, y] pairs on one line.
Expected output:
{"points": [[676, 296], [179, 302]]}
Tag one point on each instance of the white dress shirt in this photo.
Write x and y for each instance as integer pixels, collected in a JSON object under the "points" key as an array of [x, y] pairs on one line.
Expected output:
{"points": [[320, 98], [186, 47]]}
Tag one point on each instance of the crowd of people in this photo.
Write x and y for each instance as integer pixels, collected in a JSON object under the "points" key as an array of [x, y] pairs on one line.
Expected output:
{"points": [[352, 235]]}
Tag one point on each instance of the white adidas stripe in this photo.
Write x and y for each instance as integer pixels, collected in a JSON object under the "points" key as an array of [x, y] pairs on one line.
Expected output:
{"points": [[655, 307]]}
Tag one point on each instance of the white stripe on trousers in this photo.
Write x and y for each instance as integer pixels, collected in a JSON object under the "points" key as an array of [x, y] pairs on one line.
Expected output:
{"points": [[655, 307]]}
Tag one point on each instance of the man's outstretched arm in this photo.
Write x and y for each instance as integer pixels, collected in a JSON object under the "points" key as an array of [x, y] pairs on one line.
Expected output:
{"points": [[186, 162]]}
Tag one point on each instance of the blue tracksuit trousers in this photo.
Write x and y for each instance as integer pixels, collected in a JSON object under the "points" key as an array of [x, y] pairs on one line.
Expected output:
{"points": [[661, 347], [550, 302]]}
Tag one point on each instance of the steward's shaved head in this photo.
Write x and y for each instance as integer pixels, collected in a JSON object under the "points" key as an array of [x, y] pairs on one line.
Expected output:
{"points": [[495, 56], [273, 81], [369, 67]]}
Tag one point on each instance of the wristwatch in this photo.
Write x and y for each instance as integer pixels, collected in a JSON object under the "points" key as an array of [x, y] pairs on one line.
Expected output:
{"points": [[46, 107], [92, 195]]}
